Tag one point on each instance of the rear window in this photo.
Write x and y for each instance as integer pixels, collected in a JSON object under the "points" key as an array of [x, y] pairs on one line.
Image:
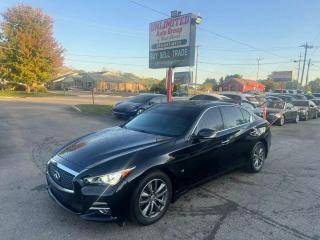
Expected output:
{"points": [[232, 117]]}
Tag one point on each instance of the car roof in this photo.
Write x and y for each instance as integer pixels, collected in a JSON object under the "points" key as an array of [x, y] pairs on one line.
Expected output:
{"points": [[200, 104], [213, 95], [150, 94]]}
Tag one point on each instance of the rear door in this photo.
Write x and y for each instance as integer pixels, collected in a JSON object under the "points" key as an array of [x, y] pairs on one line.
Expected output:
{"points": [[234, 128]]}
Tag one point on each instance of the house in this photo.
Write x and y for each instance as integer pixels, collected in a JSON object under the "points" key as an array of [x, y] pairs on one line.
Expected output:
{"points": [[99, 81], [242, 85]]}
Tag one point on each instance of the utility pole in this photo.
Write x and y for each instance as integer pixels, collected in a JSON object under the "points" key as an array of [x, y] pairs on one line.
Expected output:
{"points": [[299, 65], [306, 47], [258, 60], [196, 75], [307, 77]]}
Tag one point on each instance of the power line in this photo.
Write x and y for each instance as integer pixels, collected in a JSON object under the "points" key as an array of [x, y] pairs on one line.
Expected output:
{"points": [[111, 63], [243, 64], [211, 32], [149, 8], [103, 56]]}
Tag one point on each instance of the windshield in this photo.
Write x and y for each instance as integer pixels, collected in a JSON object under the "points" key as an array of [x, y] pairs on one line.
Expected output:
{"points": [[164, 120], [141, 98], [278, 105], [301, 103]]}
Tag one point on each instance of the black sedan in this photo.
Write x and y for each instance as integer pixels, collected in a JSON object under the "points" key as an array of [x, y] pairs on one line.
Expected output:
{"points": [[139, 168], [307, 109], [137, 105], [280, 112]]}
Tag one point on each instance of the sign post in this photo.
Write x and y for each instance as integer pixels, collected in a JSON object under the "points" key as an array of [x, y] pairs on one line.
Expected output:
{"points": [[172, 44], [169, 85]]}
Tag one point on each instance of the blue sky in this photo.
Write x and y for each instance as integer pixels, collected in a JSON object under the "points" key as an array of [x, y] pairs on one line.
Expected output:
{"points": [[113, 35]]}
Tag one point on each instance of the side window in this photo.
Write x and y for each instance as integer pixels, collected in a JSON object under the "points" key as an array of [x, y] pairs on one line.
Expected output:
{"points": [[232, 117], [248, 105], [211, 119], [246, 115]]}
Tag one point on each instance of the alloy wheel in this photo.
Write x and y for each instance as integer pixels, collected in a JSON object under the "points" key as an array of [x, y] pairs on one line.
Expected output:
{"points": [[258, 157], [153, 198], [297, 118], [282, 120]]}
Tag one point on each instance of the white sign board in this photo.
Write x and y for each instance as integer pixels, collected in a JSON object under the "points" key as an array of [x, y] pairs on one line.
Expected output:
{"points": [[172, 42]]}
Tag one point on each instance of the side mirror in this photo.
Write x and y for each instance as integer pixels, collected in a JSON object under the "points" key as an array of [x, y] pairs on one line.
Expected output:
{"points": [[206, 133]]}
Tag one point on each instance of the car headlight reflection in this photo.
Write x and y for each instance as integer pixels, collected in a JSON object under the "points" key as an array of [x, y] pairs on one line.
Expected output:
{"points": [[108, 179]]}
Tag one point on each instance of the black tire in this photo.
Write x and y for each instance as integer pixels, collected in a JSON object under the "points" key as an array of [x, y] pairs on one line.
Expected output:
{"points": [[256, 164], [281, 120], [138, 196]]}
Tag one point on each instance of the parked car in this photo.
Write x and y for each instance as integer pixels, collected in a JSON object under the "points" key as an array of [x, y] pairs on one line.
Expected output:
{"points": [[309, 96], [216, 97], [209, 97], [139, 168], [281, 91], [317, 95], [317, 102], [307, 109], [137, 105], [280, 112], [299, 97], [242, 96]]}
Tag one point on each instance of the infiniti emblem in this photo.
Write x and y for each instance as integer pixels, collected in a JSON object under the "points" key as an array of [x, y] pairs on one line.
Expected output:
{"points": [[56, 175]]}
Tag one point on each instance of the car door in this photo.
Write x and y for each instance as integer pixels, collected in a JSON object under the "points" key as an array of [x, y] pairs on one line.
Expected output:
{"points": [[234, 128], [199, 157], [290, 112]]}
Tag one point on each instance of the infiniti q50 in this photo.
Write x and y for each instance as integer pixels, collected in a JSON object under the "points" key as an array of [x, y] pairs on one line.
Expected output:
{"points": [[136, 170]]}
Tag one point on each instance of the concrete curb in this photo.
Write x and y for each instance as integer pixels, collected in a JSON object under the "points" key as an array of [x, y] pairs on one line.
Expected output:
{"points": [[76, 108]]}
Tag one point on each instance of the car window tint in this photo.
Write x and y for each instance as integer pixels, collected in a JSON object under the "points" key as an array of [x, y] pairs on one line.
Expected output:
{"points": [[246, 115], [232, 117], [211, 119], [248, 105], [197, 97]]}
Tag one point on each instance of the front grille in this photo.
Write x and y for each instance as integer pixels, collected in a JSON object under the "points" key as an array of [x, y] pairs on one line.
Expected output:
{"points": [[61, 177]]}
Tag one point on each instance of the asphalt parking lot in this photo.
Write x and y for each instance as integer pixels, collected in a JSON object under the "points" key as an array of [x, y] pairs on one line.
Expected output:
{"points": [[281, 202]]}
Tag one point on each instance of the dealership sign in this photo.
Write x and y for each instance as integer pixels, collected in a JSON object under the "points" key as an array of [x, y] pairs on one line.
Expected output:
{"points": [[281, 76], [182, 77], [172, 42]]}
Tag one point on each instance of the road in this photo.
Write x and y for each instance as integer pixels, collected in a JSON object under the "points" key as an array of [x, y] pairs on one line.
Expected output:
{"points": [[281, 202]]}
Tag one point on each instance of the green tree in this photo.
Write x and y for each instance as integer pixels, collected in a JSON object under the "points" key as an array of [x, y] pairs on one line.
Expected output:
{"points": [[315, 85], [29, 54]]}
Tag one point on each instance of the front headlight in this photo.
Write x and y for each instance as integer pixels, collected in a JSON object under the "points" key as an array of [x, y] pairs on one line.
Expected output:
{"points": [[276, 115], [108, 179]]}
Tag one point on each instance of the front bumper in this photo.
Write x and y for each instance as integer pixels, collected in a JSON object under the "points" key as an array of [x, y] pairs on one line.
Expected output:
{"points": [[90, 203]]}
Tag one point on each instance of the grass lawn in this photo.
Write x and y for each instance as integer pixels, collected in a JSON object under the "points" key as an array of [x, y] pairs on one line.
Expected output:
{"points": [[95, 109], [24, 94]]}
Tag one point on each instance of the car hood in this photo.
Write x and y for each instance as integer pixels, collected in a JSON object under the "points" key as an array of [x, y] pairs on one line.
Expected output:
{"points": [[108, 143], [127, 106]]}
